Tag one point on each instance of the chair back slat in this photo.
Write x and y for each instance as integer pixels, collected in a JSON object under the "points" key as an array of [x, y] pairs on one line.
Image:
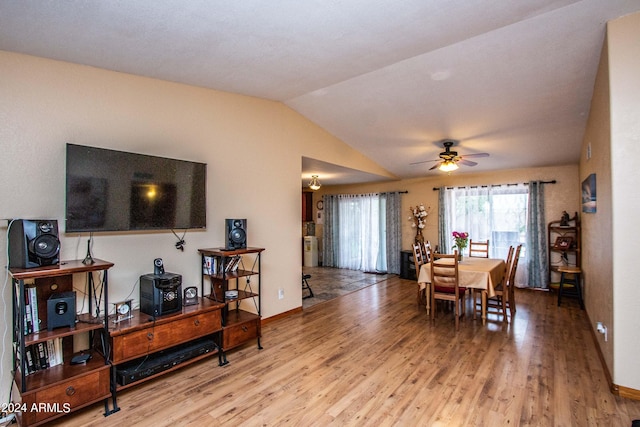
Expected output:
{"points": [[418, 257], [426, 250]]}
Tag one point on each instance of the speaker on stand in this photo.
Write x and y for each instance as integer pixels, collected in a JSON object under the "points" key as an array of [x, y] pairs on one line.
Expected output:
{"points": [[236, 233], [33, 243]]}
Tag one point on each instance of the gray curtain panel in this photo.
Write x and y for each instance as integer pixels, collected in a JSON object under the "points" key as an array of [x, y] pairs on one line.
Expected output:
{"points": [[393, 231], [442, 224], [330, 249], [537, 238]]}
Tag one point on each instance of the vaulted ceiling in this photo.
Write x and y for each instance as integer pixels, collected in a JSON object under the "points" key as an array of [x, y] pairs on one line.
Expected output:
{"points": [[389, 78]]}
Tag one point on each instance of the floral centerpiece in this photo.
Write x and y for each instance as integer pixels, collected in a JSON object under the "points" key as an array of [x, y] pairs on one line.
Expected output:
{"points": [[418, 220], [461, 239]]}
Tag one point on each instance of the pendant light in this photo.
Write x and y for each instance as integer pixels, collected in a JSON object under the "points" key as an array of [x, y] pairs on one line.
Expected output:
{"points": [[314, 184]]}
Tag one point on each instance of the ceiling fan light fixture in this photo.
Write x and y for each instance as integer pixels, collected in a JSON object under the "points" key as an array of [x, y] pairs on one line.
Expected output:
{"points": [[314, 184], [448, 166]]}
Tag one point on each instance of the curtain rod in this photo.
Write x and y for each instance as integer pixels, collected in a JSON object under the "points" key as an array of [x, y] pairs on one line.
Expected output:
{"points": [[377, 194], [494, 185]]}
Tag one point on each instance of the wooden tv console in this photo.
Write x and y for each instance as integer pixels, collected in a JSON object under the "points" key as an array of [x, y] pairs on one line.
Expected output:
{"points": [[142, 337]]}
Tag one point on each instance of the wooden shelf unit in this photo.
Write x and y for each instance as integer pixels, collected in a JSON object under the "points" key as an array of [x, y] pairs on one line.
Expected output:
{"points": [[569, 255], [239, 324], [66, 387]]}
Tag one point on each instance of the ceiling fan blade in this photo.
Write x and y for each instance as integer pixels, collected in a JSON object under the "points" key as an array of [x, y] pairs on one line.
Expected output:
{"points": [[437, 165], [467, 162], [424, 161], [475, 155]]}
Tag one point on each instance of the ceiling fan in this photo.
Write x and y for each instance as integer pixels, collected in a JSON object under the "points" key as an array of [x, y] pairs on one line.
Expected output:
{"points": [[448, 160]]}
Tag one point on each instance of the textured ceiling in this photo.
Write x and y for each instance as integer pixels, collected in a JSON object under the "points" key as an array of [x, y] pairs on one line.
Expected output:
{"points": [[389, 78]]}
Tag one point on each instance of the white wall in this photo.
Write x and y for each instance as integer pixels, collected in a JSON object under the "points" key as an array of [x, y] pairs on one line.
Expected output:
{"points": [[252, 147]]}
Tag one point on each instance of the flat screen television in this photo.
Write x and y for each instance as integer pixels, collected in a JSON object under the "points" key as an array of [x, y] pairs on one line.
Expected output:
{"points": [[109, 190]]}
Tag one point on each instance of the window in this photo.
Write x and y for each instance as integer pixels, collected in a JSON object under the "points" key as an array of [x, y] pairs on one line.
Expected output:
{"points": [[494, 213]]}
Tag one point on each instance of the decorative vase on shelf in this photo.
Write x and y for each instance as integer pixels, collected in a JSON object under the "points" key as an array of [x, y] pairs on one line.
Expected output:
{"points": [[419, 239]]}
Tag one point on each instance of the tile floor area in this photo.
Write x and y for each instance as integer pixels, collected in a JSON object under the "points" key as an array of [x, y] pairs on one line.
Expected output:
{"points": [[328, 283]]}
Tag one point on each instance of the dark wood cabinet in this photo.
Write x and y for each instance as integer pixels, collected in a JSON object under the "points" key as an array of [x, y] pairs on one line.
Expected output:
{"points": [[407, 266], [64, 387], [233, 277], [307, 206]]}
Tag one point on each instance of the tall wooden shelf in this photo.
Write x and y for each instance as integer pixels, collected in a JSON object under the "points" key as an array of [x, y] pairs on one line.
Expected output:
{"points": [[558, 232], [64, 387], [241, 315]]}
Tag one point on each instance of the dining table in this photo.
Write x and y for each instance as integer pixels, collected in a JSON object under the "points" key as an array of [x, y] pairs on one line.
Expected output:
{"points": [[475, 273]]}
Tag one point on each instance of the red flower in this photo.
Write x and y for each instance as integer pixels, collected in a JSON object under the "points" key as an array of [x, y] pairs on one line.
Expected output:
{"points": [[460, 239]]}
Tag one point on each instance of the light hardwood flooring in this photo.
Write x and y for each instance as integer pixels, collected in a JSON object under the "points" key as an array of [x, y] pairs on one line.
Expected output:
{"points": [[373, 358]]}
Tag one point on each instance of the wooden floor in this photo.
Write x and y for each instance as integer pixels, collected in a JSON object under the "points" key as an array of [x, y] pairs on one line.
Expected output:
{"points": [[372, 358]]}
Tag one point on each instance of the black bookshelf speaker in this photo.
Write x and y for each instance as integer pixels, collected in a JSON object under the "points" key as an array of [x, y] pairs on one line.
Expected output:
{"points": [[33, 243], [236, 233]]}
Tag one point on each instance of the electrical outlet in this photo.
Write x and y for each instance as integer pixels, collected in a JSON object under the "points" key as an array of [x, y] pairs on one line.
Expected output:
{"points": [[281, 293], [602, 329]]}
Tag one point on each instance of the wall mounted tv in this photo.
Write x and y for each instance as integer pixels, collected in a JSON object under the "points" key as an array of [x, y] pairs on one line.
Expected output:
{"points": [[109, 190]]}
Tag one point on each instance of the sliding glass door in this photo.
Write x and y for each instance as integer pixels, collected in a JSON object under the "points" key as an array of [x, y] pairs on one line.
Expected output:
{"points": [[494, 213]]}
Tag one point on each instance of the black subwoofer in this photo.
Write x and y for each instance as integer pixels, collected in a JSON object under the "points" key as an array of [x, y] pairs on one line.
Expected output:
{"points": [[236, 232], [61, 310], [33, 243]]}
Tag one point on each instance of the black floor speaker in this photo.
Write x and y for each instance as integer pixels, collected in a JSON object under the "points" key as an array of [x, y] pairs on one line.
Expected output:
{"points": [[236, 233], [33, 243]]}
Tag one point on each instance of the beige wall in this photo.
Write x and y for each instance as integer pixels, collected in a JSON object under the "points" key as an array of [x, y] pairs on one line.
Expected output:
{"points": [[612, 294], [253, 149], [624, 84], [596, 227], [564, 195]]}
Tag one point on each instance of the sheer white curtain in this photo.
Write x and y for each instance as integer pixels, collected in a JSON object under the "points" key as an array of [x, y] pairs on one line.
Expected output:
{"points": [[362, 232], [360, 222], [494, 213]]}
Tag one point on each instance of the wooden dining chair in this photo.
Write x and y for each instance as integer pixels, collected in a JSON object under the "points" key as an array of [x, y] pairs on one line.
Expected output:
{"points": [[426, 250], [501, 297], [445, 285], [511, 283], [479, 249], [419, 260]]}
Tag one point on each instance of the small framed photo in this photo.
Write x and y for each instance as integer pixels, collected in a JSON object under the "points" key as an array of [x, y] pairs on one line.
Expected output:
{"points": [[563, 243]]}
